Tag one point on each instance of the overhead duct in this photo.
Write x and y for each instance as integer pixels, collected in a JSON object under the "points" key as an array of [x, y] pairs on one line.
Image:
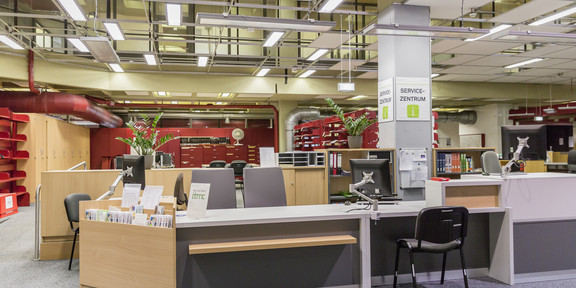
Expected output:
{"points": [[294, 118], [58, 103], [464, 117]]}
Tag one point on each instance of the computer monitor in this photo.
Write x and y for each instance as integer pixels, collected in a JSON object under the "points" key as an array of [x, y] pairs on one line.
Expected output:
{"points": [[133, 170], [536, 141], [166, 160], [158, 157], [381, 176]]}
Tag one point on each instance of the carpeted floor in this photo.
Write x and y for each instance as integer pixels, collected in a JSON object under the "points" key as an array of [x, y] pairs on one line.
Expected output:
{"points": [[18, 270]]}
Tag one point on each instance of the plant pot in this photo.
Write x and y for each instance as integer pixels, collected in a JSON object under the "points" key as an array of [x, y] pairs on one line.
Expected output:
{"points": [[354, 141], [148, 161]]}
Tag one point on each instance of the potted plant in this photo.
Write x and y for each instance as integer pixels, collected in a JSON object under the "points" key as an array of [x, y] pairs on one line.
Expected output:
{"points": [[145, 138], [354, 125]]}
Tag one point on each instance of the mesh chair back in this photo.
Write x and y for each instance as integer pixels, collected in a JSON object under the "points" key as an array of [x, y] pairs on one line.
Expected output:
{"points": [[490, 163], [572, 161], [118, 162], [71, 206], [238, 166], [217, 164], [222, 193], [179, 190], [264, 187], [442, 224]]}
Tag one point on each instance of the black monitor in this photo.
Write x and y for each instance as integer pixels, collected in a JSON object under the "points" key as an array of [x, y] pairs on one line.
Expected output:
{"points": [[158, 157], [166, 160], [381, 176], [133, 170], [536, 141]]}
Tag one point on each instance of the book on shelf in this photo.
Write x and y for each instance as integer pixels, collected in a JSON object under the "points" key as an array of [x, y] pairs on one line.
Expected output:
{"points": [[454, 163]]}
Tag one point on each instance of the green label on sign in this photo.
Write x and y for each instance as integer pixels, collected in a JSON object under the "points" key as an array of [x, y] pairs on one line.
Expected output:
{"points": [[385, 112], [413, 111]]}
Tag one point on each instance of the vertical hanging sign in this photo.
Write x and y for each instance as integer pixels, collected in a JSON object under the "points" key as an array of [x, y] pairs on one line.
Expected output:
{"points": [[412, 99], [386, 100]]}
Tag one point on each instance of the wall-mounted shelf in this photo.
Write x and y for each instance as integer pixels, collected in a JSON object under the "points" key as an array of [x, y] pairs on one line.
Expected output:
{"points": [[453, 162], [9, 155]]}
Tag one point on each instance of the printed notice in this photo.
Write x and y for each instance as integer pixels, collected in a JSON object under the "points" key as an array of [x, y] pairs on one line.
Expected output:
{"points": [[386, 100], [151, 196], [198, 200], [9, 203], [130, 195], [412, 99]]}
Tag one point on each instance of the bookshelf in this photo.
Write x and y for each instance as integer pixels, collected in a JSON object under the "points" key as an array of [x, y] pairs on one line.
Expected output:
{"points": [[454, 162]]}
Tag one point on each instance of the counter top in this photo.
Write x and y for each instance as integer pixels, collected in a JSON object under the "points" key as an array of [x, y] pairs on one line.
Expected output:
{"points": [[548, 175], [473, 181]]}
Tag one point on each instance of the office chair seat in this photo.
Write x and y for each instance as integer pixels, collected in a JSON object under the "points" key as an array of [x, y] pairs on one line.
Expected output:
{"points": [[429, 247]]}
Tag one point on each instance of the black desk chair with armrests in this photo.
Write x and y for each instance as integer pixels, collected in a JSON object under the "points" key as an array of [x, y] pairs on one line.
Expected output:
{"points": [[438, 230], [238, 167], [217, 164], [73, 213], [572, 161]]}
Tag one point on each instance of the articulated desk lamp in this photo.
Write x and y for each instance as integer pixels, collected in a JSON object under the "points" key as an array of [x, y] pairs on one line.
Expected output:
{"points": [[111, 188], [366, 179], [522, 142]]}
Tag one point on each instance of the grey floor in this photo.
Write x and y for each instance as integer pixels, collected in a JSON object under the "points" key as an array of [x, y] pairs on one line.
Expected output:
{"points": [[18, 270]]}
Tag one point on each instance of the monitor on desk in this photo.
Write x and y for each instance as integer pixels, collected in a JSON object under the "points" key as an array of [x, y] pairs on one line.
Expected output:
{"points": [[536, 142], [133, 170], [381, 176]]}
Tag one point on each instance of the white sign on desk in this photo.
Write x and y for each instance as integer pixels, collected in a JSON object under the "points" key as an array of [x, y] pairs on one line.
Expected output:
{"points": [[131, 195], [198, 200]]}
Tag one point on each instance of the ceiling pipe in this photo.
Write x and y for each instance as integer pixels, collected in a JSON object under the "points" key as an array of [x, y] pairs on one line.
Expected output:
{"points": [[58, 103], [293, 118], [463, 117], [31, 73]]}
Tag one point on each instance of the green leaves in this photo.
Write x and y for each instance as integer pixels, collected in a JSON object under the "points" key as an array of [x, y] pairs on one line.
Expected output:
{"points": [[354, 126], [145, 136]]}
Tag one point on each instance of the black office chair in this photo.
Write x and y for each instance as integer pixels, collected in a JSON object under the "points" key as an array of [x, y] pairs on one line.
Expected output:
{"points": [[238, 167], [73, 213], [217, 164], [181, 197], [572, 161], [438, 230], [118, 162]]}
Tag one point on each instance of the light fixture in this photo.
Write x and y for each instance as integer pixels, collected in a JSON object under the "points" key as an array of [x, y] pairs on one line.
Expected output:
{"points": [[219, 103], [73, 9], [524, 63], [538, 118], [227, 120], [492, 31], [566, 107], [521, 115], [202, 61], [78, 44], [264, 23], [150, 59], [357, 97], [549, 110], [317, 54], [101, 49], [263, 72], [114, 30], [225, 94], [424, 31], [116, 67], [534, 36], [161, 93], [174, 102], [346, 87], [127, 102], [173, 14], [329, 6], [307, 73], [554, 17], [434, 75], [273, 39], [10, 42]]}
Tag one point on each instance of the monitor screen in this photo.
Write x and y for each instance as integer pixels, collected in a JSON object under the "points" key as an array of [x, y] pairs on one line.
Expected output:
{"points": [[536, 141], [158, 157], [381, 176], [166, 160], [133, 170]]}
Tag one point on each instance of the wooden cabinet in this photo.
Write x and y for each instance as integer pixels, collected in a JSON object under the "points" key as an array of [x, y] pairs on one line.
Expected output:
{"points": [[305, 185], [454, 162]]}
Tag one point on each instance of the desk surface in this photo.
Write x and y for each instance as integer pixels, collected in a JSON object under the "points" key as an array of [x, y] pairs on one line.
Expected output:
{"points": [[548, 175]]}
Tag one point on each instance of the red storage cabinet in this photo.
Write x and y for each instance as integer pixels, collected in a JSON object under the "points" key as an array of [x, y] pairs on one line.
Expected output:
{"points": [[8, 204], [236, 152], [214, 152], [191, 156]]}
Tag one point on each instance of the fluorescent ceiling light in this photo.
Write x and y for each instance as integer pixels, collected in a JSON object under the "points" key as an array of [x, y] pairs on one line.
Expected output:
{"points": [[101, 49], [78, 44], [263, 72], [150, 59], [114, 30], [317, 54], [263, 23], [273, 39], [329, 6], [161, 93], [202, 61], [533, 36], [424, 31], [173, 14], [554, 17], [346, 87], [127, 102], [174, 102], [73, 9], [225, 94], [219, 103], [434, 75], [524, 63], [8, 41], [116, 67], [549, 110], [492, 31], [357, 97], [520, 115], [538, 118], [566, 107], [307, 73]]}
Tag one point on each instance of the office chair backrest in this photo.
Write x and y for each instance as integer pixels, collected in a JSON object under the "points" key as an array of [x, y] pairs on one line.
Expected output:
{"points": [[217, 164], [118, 162], [572, 161], [179, 194], [490, 163], [222, 193], [442, 224], [264, 187], [72, 208], [238, 166]]}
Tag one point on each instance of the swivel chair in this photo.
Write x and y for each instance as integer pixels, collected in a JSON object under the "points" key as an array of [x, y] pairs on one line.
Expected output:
{"points": [[438, 230], [217, 164], [73, 213], [490, 163], [181, 198], [238, 167]]}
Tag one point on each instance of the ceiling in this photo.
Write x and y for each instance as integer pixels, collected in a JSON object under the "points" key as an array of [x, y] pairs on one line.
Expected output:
{"points": [[43, 26]]}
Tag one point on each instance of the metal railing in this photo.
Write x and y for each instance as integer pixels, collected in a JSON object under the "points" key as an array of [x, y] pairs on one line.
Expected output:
{"points": [[37, 215]]}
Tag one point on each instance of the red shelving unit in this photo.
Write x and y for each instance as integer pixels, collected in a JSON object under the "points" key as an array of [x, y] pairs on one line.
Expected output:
{"points": [[10, 155]]}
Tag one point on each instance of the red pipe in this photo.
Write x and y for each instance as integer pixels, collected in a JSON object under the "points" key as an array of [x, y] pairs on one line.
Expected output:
{"points": [[31, 73], [58, 103]]}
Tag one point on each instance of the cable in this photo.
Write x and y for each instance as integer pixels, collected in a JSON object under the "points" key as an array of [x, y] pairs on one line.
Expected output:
{"points": [[365, 208]]}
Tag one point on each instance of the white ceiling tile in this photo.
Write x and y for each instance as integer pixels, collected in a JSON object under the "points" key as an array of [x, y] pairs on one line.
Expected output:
{"points": [[207, 95], [460, 59], [447, 9], [549, 63], [368, 75], [372, 47], [498, 60], [566, 53], [344, 66], [330, 40], [137, 93], [482, 47], [248, 95], [512, 79], [529, 10], [180, 94], [540, 72], [447, 77], [465, 69], [543, 51], [476, 78], [445, 45], [544, 28]]}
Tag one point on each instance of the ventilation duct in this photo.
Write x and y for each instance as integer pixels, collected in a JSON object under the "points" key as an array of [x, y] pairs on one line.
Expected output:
{"points": [[293, 119], [464, 117], [58, 103]]}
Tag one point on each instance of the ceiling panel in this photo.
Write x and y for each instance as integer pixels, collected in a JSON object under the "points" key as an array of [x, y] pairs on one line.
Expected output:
{"points": [[248, 95], [330, 40], [368, 75], [498, 60], [445, 45], [543, 51], [482, 47], [447, 9], [529, 10], [541, 72], [476, 78], [344, 65], [512, 79], [466, 69], [566, 54], [548, 63], [460, 59]]}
